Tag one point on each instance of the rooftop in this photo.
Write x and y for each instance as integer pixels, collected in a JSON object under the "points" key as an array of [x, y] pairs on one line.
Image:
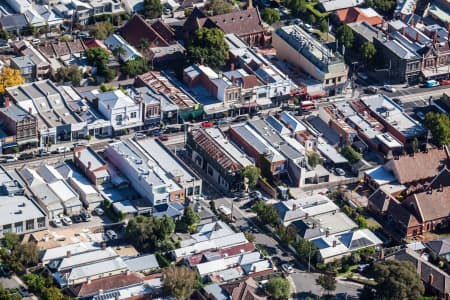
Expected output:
{"points": [[142, 263], [74, 249], [18, 209], [103, 267], [310, 206]]}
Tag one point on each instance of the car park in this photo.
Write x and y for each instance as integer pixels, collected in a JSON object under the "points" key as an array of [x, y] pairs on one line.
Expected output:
{"points": [[99, 211], [111, 234]]}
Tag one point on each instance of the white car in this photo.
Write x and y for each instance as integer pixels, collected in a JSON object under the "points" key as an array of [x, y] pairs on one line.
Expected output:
{"points": [[57, 222], [287, 268], [111, 234], [389, 88], [139, 136], [66, 220], [308, 27], [340, 172], [62, 149], [99, 211]]}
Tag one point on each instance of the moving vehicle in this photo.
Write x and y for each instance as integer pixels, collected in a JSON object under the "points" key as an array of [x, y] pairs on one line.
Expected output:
{"points": [[307, 105], [389, 88], [287, 268], [111, 234], [99, 211], [431, 83]]}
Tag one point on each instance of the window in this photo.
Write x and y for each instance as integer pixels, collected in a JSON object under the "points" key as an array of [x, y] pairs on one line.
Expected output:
{"points": [[189, 191], [327, 81], [340, 78], [262, 95], [7, 228], [41, 222], [19, 227], [30, 224], [118, 118], [133, 115], [210, 171]]}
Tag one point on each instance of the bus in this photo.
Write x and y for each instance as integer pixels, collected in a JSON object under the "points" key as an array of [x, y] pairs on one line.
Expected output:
{"points": [[307, 105]]}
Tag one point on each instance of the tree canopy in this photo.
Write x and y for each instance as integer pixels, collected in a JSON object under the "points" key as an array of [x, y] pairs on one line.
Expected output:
{"points": [[307, 251], [314, 159], [9, 77], [385, 6], [297, 7], [278, 288], [189, 221], [152, 9], [71, 73], [327, 282], [267, 214], [368, 51], [179, 282], [345, 36], [270, 15], [351, 154], [397, 280], [135, 67], [439, 125], [53, 293], [208, 46], [98, 57], [219, 7], [149, 234], [19, 255], [101, 30], [252, 173]]}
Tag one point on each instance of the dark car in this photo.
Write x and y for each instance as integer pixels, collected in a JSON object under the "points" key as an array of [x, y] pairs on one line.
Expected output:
{"points": [[163, 138], [77, 219], [26, 156], [5, 271], [86, 216], [398, 102], [241, 119]]}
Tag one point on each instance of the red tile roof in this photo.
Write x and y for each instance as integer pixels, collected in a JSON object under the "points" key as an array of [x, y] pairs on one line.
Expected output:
{"points": [[107, 284], [138, 29], [250, 81], [430, 205], [356, 14]]}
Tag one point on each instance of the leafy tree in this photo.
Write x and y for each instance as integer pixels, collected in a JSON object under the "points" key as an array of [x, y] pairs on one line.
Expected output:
{"points": [[397, 280], [307, 251], [298, 7], [314, 159], [270, 15], [71, 73], [179, 282], [252, 174], [415, 145], [351, 154], [7, 294], [28, 253], [101, 30], [35, 282], [327, 282], [278, 288], [385, 6], [108, 73], [345, 36], [219, 7], [135, 67], [53, 293], [97, 57], [324, 27], [149, 234], [312, 19], [188, 222], [119, 51], [9, 77], [368, 51], [287, 234], [361, 221], [250, 237], [11, 240], [439, 125], [152, 9], [208, 46], [267, 214]]}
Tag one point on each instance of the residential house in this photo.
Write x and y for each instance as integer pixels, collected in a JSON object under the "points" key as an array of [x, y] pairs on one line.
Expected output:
{"points": [[211, 151], [333, 5], [143, 264], [25, 66], [240, 289], [336, 119], [126, 51], [42, 66], [20, 125], [247, 24], [9, 186], [60, 252], [440, 247], [91, 165], [357, 14], [364, 32], [299, 48], [323, 225], [301, 131], [13, 23], [438, 10], [52, 20]]}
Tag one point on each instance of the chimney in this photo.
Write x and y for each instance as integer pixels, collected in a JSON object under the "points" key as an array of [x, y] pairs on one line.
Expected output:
{"points": [[68, 254], [334, 243], [434, 38], [89, 165], [232, 67], [103, 246], [79, 154], [294, 206], [441, 187], [327, 234], [254, 269], [7, 103], [109, 107]]}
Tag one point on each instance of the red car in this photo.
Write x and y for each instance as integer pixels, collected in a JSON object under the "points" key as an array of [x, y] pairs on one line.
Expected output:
{"points": [[207, 124], [163, 138]]}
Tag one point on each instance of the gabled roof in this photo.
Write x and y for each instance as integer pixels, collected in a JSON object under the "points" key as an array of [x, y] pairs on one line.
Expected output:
{"points": [[432, 204], [440, 246], [402, 215], [137, 29], [107, 284], [380, 200], [356, 14], [244, 290]]}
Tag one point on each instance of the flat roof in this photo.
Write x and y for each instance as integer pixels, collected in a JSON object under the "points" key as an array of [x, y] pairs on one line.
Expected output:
{"points": [[18, 209], [330, 152], [84, 258], [97, 268], [381, 175]]}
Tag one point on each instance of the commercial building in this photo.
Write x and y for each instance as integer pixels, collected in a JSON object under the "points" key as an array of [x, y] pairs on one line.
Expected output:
{"points": [[299, 48], [91, 165]]}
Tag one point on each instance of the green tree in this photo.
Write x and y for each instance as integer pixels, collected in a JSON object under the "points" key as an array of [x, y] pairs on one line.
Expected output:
{"points": [[218, 7], [368, 51], [71, 73], [324, 27], [208, 46], [397, 280], [11, 240], [252, 173], [312, 19], [345, 36], [53, 293], [270, 15], [250, 237], [35, 282], [327, 282], [97, 57], [307, 251], [188, 222], [287, 234], [415, 145], [135, 67], [298, 7], [101, 30], [7, 294], [152, 9], [314, 159], [149, 234], [351, 154], [386, 6], [361, 221], [278, 288], [439, 125], [179, 282], [267, 214], [119, 51], [144, 44], [28, 253]]}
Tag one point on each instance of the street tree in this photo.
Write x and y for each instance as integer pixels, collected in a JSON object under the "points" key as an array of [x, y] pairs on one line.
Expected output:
{"points": [[219, 7], [267, 214], [252, 173], [345, 36], [9, 77], [312, 19], [189, 221], [152, 9], [386, 6], [368, 51], [135, 67], [278, 288], [35, 282], [327, 283], [287, 234], [439, 125], [307, 251], [208, 46], [324, 26], [179, 282], [53, 293], [270, 15], [298, 7], [397, 280], [11, 240], [415, 145]]}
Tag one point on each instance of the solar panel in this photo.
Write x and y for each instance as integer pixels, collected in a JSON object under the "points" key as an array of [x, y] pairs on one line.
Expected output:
{"points": [[107, 296]]}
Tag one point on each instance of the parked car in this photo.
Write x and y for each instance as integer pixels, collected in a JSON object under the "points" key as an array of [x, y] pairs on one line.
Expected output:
{"points": [[35, 41], [99, 211], [62, 149], [371, 90], [23, 292], [431, 83], [86, 216], [42, 152], [363, 267], [84, 34], [287, 268], [308, 27], [241, 119], [163, 138], [207, 124], [66, 220], [421, 115], [139, 136], [339, 172], [5, 271], [363, 76], [398, 102], [7, 159], [389, 88], [256, 195], [26, 156], [111, 234], [57, 222], [77, 219]]}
